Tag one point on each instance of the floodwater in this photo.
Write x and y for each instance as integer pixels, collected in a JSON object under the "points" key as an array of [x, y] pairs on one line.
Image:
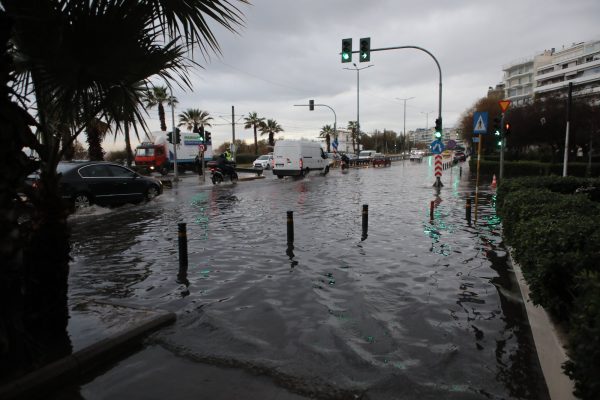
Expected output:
{"points": [[419, 309]]}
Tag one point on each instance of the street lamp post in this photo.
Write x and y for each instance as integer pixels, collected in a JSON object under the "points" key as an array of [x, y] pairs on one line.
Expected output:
{"points": [[404, 129], [175, 172], [426, 118], [358, 99]]}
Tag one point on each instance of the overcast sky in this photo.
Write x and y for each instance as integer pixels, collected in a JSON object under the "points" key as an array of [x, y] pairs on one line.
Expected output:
{"points": [[288, 53]]}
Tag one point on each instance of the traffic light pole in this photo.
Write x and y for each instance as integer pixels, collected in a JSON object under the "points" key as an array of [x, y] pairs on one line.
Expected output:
{"points": [[323, 105], [502, 146], [438, 181]]}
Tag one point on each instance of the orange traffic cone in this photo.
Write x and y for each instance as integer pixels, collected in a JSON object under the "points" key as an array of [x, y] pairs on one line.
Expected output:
{"points": [[494, 181]]}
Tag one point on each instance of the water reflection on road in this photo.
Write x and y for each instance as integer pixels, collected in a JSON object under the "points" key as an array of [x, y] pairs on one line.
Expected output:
{"points": [[421, 308]]}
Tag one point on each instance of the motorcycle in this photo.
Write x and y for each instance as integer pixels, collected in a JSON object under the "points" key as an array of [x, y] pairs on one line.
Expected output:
{"points": [[218, 176]]}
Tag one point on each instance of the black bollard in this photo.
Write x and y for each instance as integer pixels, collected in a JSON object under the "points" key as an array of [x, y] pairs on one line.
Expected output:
{"points": [[468, 211], [365, 221], [460, 170], [431, 207], [183, 253], [290, 227]]}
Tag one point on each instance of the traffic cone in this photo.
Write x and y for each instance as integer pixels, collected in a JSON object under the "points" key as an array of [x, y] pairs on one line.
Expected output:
{"points": [[494, 181]]}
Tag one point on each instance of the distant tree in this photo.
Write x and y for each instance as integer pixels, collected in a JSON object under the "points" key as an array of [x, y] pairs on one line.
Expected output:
{"points": [[326, 133], [271, 127], [156, 97], [195, 120], [253, 121], [96, 131]]}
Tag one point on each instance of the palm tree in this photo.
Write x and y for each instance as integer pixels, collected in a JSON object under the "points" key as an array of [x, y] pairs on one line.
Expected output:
{"points": [[271, 127], [352, 127], [157, 97], [195, 120], [252, 120], [74, 61], [96, 131], [326, 133]]}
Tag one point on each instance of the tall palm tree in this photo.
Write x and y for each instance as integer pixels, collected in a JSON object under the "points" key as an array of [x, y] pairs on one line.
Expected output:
{"points": [[96, 131], [73, 60], [353, 128], [271, 127], [253, 121], [326, 133], [195, 120], [156, 97]]}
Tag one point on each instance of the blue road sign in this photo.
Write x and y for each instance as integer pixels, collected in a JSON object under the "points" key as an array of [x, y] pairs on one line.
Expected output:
{"points": [[437, 146], [480, 122]]}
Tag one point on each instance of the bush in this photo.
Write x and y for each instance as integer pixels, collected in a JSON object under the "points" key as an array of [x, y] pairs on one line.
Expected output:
{"points": [[556, 240], [514, 169], [584, 336], [245, 158]]}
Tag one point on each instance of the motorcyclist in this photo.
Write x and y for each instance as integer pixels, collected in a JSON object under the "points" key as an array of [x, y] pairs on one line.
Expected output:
{"points": [[224, 165], [228, 156], [345, 161]]}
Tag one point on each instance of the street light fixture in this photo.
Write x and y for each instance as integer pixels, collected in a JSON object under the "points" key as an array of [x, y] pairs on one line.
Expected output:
{"points": [[358, 99], [404, 129]]}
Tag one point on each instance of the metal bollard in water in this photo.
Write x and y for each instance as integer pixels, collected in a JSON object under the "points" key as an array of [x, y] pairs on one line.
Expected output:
{"points": [[431, 207], [183, 252], [468, 211], [460, 170], [365, 221], [290, 227]]}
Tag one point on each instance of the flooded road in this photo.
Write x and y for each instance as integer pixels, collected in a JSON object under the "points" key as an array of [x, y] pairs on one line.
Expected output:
{"points": [[420, 309]]}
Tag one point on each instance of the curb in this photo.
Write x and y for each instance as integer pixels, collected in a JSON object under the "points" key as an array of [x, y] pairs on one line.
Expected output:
{"points": [[81, 361], [549, 342]]}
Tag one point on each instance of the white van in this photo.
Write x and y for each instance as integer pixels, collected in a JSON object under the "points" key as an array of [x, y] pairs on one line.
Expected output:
{"points": [[298, 157], [366, 154]]}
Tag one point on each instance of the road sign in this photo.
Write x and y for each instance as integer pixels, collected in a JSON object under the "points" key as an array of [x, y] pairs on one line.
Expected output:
{"points": [[451, 144], [437, 146], [438, 165], [475, 139], [201, 147], [504, 104], [480, 122]]}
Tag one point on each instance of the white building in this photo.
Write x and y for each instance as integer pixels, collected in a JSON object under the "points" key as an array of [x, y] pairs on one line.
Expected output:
{"points": [[519, 77], [579, 64], [548, 73]]}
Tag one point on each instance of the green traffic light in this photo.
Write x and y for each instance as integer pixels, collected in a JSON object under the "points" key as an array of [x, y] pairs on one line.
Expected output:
{"points": [[345, 56], [438, 135]]}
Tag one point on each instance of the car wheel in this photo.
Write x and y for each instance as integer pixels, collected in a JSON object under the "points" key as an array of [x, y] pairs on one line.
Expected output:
{"points": [[151, 193], [81, 200], [164, 171]]}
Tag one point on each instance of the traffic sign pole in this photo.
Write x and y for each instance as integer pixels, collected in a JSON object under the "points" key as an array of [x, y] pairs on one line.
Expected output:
{"points": [[477, 180], [502, 146]]}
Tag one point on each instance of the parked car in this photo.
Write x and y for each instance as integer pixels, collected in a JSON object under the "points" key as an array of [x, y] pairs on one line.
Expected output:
{"points": [[102, 183], [459, 156], [263, 161]]}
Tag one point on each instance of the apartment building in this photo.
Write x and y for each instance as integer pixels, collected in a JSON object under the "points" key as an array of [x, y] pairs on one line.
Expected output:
{"points": [[579, 64], [519, 77], [548, 73]]}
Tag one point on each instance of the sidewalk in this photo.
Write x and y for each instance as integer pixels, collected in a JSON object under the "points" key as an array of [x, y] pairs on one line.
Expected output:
{"points": [[99, 331]]}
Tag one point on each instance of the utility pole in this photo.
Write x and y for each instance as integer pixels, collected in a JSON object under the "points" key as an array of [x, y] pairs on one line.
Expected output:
{"points": [[233, 149], [566, 156], [358, 99], [404, 129]]}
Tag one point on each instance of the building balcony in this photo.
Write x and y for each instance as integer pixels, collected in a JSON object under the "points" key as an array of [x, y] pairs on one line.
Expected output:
{"points": [[567, 71], [582, 80]]}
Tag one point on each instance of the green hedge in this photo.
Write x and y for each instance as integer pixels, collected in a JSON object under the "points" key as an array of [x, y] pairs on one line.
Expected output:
{"points": [[555, 237], [514, 169], [584, 336], [245, 158]]}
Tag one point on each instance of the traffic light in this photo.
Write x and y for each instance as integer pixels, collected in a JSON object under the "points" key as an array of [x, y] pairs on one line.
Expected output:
{"points": [[177, 136], [346, 50], [507, 129], [438, 128], [311, 105], [170, 137], [365, 50], [202, 132], [207, 137], [497, 126]]}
